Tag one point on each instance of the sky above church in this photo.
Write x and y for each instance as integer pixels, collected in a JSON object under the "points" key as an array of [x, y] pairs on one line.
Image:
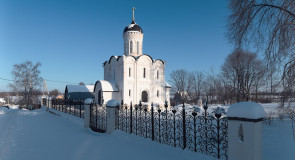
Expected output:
{"points": [[72, 38]]}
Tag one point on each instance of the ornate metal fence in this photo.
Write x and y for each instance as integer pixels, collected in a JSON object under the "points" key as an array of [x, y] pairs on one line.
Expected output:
{"points": [[98, 118], [74, 107], [184, 128]]}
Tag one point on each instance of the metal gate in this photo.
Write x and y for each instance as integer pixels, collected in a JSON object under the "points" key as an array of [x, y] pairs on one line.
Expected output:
{"points": [[98, 118]]}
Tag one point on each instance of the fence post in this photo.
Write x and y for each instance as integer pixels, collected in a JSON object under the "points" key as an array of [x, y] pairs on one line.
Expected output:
{"points": [[112, 106], [184, 126], [130, 117], [153, 129], [245, 131], [87, 104]]}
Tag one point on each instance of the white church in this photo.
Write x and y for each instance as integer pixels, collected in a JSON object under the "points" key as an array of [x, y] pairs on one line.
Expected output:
{"points": [[133, 77]]}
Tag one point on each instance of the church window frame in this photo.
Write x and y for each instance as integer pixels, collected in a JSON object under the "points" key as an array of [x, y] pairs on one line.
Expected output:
{"points": [[137, 47], [131, 47], [157, 74]]}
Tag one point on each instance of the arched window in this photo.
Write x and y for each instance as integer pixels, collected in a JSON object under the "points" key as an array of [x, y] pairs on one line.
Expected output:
{"points": [[125, 48], [99, 97], [131, 47], [137, 47], [129, 92], [157, 93], [143, 72], [144, 96], [129, 72], [157, 74]]}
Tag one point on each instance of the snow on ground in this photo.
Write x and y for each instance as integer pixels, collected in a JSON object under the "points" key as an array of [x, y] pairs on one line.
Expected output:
{"points": [[37, 134], [278, 143]]}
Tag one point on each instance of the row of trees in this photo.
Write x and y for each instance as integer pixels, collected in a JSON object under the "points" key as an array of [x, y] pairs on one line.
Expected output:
{"points": [[243, 77]]}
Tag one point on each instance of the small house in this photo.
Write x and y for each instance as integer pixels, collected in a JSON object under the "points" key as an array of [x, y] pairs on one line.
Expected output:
{"points": [[79, 92]]}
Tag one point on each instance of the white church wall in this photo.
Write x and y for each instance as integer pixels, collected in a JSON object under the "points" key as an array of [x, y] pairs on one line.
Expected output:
{"points": [[133, 43]]}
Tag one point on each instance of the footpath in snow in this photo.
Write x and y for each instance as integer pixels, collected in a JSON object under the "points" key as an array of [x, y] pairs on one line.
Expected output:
{"points": [[40, 135]]}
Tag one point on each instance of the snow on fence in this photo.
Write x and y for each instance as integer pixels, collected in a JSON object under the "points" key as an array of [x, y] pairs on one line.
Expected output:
{"points": [[187, 129]]}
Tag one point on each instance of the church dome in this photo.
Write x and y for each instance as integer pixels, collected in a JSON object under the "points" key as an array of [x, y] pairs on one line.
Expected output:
{"points": [[133, 27]]}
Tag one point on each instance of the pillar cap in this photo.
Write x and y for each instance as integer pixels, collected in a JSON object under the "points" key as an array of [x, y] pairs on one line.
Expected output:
{"points": [[113, 103], [88, 101], [246, 111]]}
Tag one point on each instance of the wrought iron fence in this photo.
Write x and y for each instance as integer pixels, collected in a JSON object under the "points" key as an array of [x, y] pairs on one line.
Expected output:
{"points": [[98, 118], [74, 107], [185, 128]]}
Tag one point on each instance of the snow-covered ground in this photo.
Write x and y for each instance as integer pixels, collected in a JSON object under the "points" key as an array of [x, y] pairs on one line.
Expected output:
{"points": [[40, 135], [35, 135]]}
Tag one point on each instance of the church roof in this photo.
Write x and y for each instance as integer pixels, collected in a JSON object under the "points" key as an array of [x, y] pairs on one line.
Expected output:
{"points": [[108, 86], [167, 85], [80, 88], [133, 27]]}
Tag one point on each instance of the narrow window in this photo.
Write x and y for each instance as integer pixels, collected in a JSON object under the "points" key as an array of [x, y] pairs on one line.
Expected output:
{"points": [[157, 74], [125, 48], [129, 92], [131, 47], [129, 72], [137, 47], [143, 72], [157, 93]]}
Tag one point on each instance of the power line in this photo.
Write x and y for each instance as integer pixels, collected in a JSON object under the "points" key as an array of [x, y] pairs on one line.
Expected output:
{"points": [[5, 79], [60, 81]]}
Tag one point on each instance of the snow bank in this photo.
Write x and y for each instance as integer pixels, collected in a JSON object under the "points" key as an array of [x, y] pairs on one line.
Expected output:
{"points": [[248, 110]]}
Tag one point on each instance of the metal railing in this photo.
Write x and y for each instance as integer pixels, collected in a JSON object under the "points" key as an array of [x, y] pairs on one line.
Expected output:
{"points": [[194, 129]]}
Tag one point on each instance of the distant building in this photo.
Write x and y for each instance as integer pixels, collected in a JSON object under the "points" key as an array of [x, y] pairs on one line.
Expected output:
{"points": [[2, 101], [59, 96], [79, 92], [134, 76]]}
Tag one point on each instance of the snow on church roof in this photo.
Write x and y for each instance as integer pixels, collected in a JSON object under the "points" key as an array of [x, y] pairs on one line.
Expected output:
{"points": [[108, 86], [80, 88], [167, 85]]}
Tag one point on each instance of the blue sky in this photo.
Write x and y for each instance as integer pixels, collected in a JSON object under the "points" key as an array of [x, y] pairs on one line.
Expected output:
{"points": [[72, 38]]}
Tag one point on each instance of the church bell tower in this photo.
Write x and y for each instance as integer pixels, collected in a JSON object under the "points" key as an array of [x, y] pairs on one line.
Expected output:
{"points": [[133, 37]]}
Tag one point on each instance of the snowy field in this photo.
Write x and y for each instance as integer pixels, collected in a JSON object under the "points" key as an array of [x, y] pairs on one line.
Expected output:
{"points": [[36, 135]]}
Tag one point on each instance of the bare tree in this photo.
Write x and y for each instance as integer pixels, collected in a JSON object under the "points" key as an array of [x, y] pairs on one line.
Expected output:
{"points": [[268, 25], [179, 81], [242, 69], [197, 85], [81, 83], [54, 92], [27, 82]]}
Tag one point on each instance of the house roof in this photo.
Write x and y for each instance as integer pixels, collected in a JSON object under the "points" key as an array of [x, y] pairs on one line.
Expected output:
{"points": [[80, 88]]}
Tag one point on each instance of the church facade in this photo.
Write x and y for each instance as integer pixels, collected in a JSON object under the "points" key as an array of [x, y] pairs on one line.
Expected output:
{"points": [[133, 77]]}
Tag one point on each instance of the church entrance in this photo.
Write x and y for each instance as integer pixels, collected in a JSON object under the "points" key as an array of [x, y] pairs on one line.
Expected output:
{"points": [[144, 96]]}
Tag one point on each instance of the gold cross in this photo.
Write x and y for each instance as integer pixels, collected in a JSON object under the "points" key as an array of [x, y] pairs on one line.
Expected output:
{"points": [[133, 13]]}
